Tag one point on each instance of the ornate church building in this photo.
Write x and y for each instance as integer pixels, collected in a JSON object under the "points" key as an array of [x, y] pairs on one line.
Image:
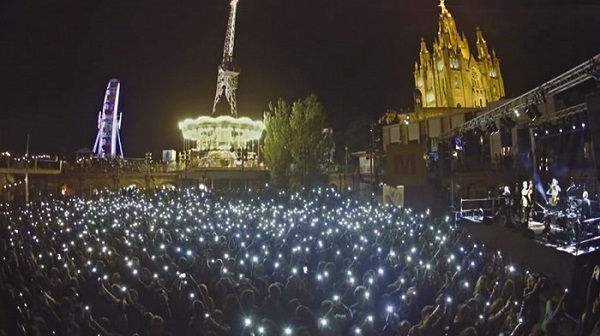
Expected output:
{"points": [[450, 75]]}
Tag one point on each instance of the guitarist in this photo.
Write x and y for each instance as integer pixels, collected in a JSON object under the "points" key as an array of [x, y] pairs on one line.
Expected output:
{"points": [[553, 192]]}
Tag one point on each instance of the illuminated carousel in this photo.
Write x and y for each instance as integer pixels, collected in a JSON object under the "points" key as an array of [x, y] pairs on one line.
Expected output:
{"points": [[226, 140], [222, 141]]}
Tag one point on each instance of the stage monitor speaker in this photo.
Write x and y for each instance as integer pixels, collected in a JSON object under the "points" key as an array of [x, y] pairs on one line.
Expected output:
{"points": [[593, 116]]}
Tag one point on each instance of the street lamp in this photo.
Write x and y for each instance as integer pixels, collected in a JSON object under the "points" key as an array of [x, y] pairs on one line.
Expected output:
{"points": [[148, 161], [346, 167], [148, 178], [372, 158]]}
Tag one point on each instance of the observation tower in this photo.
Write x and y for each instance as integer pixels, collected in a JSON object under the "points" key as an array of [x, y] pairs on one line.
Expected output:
{"points": [[226, 140]]}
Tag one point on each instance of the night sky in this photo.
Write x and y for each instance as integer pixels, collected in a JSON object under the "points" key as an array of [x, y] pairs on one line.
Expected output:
{"points": [[357, 56]]}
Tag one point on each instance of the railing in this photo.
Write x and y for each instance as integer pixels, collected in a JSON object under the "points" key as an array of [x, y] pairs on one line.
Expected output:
{"points": [[10, 165], [488, 206], [130, 167]]}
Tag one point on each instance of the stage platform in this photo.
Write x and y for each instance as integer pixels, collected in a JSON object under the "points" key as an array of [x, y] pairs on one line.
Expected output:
{"points": [[570, 265]]}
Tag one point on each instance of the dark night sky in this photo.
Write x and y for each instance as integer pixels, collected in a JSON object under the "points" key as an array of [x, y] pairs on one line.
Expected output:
{"points": [[356, 55]]}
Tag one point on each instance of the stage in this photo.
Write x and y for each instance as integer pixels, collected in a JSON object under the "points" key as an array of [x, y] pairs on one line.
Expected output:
{"points": [[570, 265]]}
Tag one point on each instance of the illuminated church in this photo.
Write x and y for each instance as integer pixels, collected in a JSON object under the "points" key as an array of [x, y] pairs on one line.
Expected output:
{"points": [[450, 75]]}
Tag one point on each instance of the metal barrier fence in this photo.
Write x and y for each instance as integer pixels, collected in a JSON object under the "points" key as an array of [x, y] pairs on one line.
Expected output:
{"points": [[476, 207]]}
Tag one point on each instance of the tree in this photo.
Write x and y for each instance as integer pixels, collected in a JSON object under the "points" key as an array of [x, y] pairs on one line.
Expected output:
{"points": [[309, 142], [276, 146]]}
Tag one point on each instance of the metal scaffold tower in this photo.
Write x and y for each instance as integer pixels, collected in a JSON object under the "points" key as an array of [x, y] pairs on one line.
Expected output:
{"points": [[228, 72]]}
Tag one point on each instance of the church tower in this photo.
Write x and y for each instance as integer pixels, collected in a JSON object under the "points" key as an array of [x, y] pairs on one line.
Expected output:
{"points": [[450, 76]]}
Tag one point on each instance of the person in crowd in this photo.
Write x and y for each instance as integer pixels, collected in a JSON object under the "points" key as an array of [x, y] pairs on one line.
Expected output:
{"points": [[316, 262]]}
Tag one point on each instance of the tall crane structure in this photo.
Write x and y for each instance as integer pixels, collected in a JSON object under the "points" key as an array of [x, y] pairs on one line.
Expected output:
{"points": [[228, 71], [108, 140]]}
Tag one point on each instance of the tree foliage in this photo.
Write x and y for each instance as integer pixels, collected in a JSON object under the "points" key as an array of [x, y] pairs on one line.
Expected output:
{"points": [[276, 144], [308, 143], [296, 145]]}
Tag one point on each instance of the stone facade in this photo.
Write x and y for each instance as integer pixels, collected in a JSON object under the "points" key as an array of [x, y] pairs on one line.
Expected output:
{"points": [[450, 75]]}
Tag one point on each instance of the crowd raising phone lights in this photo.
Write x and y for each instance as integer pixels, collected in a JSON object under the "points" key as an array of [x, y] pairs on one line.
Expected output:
{"points": [[340, 263]]}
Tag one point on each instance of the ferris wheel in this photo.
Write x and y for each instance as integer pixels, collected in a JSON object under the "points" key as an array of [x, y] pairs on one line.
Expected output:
{"points": [[108, 141]]}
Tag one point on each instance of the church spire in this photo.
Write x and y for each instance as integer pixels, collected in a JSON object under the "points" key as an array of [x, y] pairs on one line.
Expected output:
{"points": [[423, 46], [450, 75], [424, 53], [448, 33], [442, 5], [482, 48]]}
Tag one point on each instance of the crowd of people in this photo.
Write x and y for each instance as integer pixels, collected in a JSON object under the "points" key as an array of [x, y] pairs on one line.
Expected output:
{"points": [[189, 262]]}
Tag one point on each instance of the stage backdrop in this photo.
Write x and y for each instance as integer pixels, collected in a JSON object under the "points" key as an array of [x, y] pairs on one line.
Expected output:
{"points": [[405, 165]]}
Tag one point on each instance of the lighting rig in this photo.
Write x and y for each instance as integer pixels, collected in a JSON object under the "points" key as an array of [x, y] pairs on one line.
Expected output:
{"points": [[508, 112]]}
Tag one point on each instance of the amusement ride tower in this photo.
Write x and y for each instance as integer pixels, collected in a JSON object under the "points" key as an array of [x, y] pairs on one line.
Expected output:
{"points": [[108, 140], [225, 140], [227, 78]]}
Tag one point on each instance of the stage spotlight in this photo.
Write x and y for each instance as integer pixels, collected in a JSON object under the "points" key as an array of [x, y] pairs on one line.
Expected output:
{"points": [[492, 128], [508, 122], [578, 121], [517, 114], [582, 120], [565, 124], [533, 112]]}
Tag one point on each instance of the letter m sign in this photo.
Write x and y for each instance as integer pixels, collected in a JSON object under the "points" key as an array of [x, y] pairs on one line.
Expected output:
{"points": [[405, 165]]}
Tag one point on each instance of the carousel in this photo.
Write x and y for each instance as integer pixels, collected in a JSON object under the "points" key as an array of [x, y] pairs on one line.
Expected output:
{"points": [[223, 141]]}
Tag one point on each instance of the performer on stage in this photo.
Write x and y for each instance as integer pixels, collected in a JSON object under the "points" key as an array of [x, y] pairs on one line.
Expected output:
{"points": [[526, 202], [553, 193], [580, 226], [572, 189], [517, 208], [504, 214], [506, 195]]}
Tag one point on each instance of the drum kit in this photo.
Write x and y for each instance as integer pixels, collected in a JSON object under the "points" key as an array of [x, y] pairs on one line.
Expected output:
{"points": [[562, 223]]}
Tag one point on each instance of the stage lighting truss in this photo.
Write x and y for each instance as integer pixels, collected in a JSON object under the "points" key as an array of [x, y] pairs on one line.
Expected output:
{"points": [[532, 112], [492, 128], [573, 111], [581, 73], [565, 125]]}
